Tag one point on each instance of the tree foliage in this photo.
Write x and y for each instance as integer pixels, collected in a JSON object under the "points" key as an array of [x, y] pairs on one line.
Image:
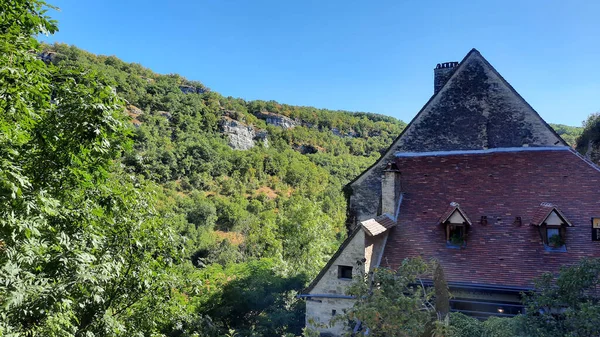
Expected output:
{"points": [[394, 302], [82, 252]]}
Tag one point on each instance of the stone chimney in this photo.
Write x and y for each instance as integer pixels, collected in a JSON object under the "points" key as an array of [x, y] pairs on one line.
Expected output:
{"points": [[390, 189], [442, 73]]}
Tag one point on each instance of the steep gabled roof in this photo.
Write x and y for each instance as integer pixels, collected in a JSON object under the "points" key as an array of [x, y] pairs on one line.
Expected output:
{"points": [[455, 104]]}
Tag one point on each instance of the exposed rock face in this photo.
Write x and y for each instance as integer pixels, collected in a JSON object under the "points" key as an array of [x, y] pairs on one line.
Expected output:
{"points": [[278, 120], [349, 134], [475, 108], [165, 114], [188, 89], [261, 136], [134, 112], [242, 136], [49, 57]]}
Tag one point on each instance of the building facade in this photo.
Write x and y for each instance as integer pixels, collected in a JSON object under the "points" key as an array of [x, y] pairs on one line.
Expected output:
{"points": [[480, 182]]}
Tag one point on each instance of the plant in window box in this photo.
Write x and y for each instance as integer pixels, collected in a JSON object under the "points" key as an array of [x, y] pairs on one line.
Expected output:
{"points": [[555, 241], [457, 240]]}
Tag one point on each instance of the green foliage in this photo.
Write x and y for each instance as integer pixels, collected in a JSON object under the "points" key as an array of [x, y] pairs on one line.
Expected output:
{"points": [[222, 210], [465, 326], [259, 301], [394, 302], [588, 142], [569, 133], [286, 205], [82, 251], [442, 296], [566, 305]]}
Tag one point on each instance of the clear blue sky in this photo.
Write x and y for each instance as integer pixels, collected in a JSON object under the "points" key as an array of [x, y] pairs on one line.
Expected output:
{"points": [[374, 56]]}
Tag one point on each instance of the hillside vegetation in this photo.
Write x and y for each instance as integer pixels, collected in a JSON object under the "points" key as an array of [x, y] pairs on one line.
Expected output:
{"points": [[126, 211]]}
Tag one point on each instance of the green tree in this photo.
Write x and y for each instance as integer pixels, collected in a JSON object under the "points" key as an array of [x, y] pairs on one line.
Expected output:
{"points": [[82, 251], [394, 302], [566, 305]]}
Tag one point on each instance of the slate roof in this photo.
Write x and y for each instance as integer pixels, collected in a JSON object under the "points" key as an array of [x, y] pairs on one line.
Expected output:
{"points": [[501, 185], [475, 109]]}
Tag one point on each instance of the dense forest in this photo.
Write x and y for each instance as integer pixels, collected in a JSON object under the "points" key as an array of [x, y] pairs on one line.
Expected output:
{"points": [[140, 204]]}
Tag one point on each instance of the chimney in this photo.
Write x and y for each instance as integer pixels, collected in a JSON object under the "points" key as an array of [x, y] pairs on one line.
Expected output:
{"points": [[441, 74], [390, 189]]}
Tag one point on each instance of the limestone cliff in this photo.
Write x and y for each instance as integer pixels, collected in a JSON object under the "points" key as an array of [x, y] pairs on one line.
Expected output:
{"points": [[242, 136]]}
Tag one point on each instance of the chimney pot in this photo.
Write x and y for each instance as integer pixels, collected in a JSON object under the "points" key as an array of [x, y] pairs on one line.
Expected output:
{"points": [[442, 73]]}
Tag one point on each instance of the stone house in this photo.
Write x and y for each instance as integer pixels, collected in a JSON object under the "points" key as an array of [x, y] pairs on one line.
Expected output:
{"points": [[480, 182]]}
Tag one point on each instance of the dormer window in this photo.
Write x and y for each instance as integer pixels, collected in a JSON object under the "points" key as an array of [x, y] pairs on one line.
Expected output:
{"points": [[456, 225], [553, 227]]}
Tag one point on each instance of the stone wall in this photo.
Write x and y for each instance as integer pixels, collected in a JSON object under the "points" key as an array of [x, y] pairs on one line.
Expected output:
{"points": [[362, 253], [319, 310], [353, 252]]}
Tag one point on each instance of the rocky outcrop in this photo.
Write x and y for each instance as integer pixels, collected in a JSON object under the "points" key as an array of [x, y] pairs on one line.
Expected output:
{"points": [[134, 112], [261, 136], [242, 136], [188, 89], [349, 134], [278, 120], [49, 57]]}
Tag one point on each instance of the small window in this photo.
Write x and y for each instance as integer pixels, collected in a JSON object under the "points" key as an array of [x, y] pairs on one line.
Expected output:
{"points": [[345, 272], [455, 235], [554, 238]]}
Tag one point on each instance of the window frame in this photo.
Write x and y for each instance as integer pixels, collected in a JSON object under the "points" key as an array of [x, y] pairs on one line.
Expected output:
{"points": [[343, 270]]}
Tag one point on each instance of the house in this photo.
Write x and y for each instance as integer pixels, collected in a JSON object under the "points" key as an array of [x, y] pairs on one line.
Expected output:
{"points": [[478, 181]]}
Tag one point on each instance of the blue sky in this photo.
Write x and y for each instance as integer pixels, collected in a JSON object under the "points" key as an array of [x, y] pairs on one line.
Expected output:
{"points": [[375, 56]]}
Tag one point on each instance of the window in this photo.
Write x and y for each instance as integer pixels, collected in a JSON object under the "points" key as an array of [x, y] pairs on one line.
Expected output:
{"points": [[455, 235], [456, 225], [552, 226], [345, 272], [554, 237]]}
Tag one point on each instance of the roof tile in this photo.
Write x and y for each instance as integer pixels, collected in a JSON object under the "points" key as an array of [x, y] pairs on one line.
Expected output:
{"points": [[501, 186]]}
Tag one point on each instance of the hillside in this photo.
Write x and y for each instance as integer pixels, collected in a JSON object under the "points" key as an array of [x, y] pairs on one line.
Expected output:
{"points": [[253, 188], [237, 174]]}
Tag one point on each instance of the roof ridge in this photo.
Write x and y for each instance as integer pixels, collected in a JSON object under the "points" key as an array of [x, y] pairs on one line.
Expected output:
{"points": [[400, 154]]}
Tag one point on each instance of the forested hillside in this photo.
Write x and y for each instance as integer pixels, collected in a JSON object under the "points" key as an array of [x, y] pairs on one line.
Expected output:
{"points": [[143, 204], [281, 198], [255, 225]]}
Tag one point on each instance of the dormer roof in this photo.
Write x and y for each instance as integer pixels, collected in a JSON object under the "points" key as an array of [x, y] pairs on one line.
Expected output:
{"points": [[455, 215], [547, 211]]}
